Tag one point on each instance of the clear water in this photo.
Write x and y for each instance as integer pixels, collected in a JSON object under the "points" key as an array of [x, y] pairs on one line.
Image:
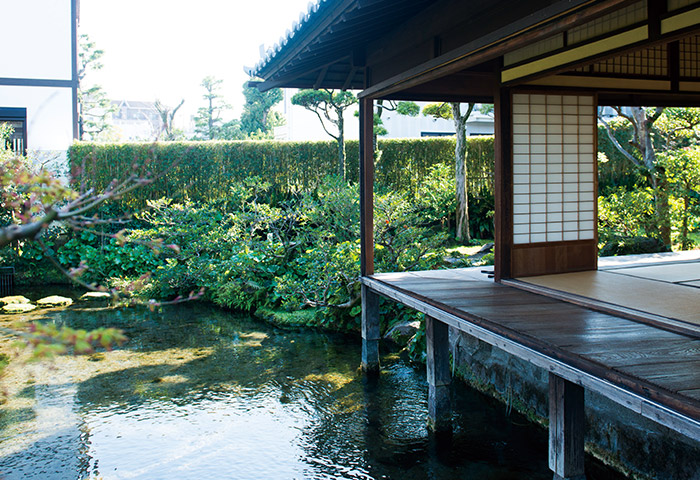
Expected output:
{"points": [[248, 401]]}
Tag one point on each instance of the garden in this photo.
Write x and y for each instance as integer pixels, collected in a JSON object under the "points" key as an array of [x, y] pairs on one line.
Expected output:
{"points": [[259, 227], [267, 246]]}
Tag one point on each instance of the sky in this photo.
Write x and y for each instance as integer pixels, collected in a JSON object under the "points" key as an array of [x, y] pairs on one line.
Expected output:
{"points": [[164, 48]]}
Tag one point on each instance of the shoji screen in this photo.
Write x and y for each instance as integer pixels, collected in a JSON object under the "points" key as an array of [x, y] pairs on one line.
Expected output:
{"points": [[554, 155]]}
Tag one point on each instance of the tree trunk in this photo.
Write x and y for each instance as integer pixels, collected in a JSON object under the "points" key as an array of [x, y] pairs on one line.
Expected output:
{"points": [[461, 187], [662, 208], [211, 118], [341, 144], [658, 177], [685, 244]]}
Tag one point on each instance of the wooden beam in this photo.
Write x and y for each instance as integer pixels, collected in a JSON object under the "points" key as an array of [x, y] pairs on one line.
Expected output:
{"points": [[366, 186], [572, 57], [553, 19], [503, 194], [438, 373], [566, 429], [348, 80], [370, 331], [321, 77], [476, 87]]}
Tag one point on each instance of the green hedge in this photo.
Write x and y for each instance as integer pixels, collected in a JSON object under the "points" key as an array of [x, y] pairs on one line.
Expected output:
{"points": [[204, 171]]}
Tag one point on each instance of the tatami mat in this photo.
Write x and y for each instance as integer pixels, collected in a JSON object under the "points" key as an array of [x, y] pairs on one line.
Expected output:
{"points": [[661, 298], [674, 273]]}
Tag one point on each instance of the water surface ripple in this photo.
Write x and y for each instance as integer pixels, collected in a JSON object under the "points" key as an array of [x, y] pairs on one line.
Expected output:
{"points": [[200, 393]]}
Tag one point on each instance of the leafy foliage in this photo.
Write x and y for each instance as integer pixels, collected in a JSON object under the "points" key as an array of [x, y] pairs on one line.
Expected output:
{"points": [[251, 252], [258, 116], [329, 106], [683, 173], [208, 123], [94, 107], [626, 213]]}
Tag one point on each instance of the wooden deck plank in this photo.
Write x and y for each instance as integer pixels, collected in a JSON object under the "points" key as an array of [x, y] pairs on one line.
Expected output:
{"points": [[680, 375], [647, 354], [695, 393]]}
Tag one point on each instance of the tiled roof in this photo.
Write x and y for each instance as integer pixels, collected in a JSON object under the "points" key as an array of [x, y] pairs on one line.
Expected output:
{"points": [[297, 26], [326, 47]]}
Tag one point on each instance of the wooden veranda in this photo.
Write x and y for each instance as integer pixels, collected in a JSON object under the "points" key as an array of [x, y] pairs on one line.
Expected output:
{"points": [[546, 66], [654, 370]]}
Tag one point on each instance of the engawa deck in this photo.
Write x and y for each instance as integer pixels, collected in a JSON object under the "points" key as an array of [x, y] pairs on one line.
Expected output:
{"points": [[652, 371]]}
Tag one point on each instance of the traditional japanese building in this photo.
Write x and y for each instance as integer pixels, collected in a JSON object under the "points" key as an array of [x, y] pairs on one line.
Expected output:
{"points": [[547, 66]]}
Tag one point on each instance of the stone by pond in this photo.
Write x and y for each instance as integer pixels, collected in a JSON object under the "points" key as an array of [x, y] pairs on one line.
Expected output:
{"points": [[13, 299], [54, 301], [95, 296], [202, 393], [13, 308]]}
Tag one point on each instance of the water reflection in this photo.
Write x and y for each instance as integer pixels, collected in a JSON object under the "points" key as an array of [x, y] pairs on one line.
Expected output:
{"points": [[200, 393]]}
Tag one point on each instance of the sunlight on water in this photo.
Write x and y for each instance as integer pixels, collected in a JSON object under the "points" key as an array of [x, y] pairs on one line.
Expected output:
{"points": [[200, 393]]}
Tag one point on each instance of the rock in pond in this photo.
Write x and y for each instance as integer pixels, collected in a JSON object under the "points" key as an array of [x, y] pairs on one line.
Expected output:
{"points": [[14, 299], [18, 308], [403, 332], [95, 296], [54, 301]]}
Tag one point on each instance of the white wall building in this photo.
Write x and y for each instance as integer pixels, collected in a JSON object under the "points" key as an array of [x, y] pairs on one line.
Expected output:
{"points": [[302, 125], [38, 75], [135, 120]]}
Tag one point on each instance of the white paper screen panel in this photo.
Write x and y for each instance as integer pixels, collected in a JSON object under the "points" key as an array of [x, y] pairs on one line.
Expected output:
{"points": [[554, 150]]}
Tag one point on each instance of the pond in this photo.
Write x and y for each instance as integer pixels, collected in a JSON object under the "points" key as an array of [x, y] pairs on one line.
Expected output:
{"points": [[203, 393]]}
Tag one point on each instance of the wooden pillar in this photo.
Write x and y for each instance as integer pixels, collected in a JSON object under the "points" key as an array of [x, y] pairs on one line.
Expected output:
{"points": [[566, 429], [370, 300], [438, 366], [366, 186], [503, 184], [370, 330]]}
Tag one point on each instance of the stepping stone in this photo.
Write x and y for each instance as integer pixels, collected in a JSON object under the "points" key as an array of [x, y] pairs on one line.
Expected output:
{"points": [[18, 308], [14, 299], [93, 296], [54, 301]]}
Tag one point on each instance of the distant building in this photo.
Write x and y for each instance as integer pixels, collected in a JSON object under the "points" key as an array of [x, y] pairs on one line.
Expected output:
{"points": [[301, 124], [136, 121], [38, 76]]}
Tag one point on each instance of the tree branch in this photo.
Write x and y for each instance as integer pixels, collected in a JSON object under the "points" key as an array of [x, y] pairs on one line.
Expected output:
{"points": [[619, 147]]}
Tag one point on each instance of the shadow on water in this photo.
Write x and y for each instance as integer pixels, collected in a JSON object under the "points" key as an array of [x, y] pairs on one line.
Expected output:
{"points": [[204, 393]]}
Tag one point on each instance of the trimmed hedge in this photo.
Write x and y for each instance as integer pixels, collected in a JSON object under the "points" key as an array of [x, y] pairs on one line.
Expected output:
{"points": [[205, 171]]}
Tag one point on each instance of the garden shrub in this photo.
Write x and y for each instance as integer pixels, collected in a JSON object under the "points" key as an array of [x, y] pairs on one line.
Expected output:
{"points": [[632, 246], [625, 213], [205, 171], [300, 254]]}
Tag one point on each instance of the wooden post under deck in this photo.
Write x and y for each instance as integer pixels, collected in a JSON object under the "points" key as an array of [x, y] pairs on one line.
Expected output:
{"points": [[370, 300], [439, 377], [566, 429], [370, 330]]}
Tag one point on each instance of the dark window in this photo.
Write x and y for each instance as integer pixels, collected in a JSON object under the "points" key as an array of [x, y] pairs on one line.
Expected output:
{"points": [[17, 119], [437, 134]]}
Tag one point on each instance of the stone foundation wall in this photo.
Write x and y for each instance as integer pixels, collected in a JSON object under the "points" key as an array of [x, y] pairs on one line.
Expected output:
{"points": [[631, 443]]}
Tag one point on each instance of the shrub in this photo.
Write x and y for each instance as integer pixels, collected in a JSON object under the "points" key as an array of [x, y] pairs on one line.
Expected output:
{"points": [[632, 246], [625, 213], [206, 171]]}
